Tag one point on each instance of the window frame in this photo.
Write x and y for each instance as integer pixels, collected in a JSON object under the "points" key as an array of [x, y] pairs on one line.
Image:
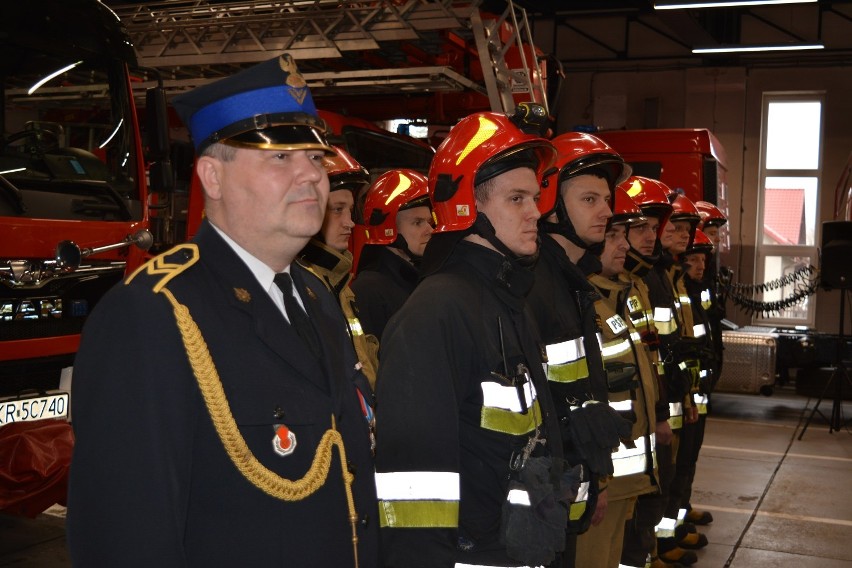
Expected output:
{"points": [[763, 251]]}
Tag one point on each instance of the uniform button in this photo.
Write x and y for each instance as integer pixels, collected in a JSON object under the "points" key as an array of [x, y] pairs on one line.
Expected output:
{"points": [[278, 413], [365, 520], [351, 467]]}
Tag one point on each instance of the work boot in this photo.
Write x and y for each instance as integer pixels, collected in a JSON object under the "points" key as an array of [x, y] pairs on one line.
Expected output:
{"points": [[659, 563], [692, 541], [697, 517], [674, 554]]}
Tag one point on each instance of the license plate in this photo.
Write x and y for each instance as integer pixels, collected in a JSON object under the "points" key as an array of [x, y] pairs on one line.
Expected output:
{"points": [[34, 408]]}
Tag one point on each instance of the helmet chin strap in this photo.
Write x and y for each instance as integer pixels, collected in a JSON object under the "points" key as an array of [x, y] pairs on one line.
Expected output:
{"points": [[482, 226], [401, 244], [563, 226]]}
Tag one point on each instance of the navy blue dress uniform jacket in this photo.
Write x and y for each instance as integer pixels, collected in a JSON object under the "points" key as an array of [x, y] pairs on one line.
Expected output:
{"points": [[152, 485]]}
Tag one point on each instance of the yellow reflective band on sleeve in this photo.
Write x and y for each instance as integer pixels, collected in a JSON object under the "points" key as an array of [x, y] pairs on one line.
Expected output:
{"points": [[664, 320], [578, 507], [684, 300], [614, 349], [508, 422], [568, 372], [418, 514], [706, 300], [675, 415], [701, 401], [355, 327]]}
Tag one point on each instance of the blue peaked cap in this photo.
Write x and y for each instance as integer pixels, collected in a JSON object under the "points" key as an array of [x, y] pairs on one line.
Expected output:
{"points": [[267, 106]]}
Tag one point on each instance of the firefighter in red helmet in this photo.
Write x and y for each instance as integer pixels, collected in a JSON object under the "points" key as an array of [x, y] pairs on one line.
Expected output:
{"points": [[398, 224], [562, 298], [327, 254], [466, 429], [632, 391], [653, 313]]}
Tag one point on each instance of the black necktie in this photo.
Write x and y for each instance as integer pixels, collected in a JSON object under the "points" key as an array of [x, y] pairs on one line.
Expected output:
{"points": [[298, 318]]}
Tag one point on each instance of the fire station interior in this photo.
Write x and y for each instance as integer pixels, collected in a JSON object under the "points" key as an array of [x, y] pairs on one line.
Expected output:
{"points": [[776, 465]]}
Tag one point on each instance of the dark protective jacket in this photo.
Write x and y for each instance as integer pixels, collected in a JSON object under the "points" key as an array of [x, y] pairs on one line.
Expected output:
{"points": [[382, 286], [146, 443], [454, 410]]}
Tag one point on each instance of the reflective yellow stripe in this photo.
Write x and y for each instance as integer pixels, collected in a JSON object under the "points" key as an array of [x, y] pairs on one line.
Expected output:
{"points": [[566, 361], [508, 422], [664, 320], [706, 300], [676, 415], [568, 372], [355, 326], [578, 507], [418, 514], [684, 300], [701, 401], [666, 527]]}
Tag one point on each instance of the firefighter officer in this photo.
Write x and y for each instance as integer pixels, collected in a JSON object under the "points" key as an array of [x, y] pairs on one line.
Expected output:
{"points": [[468, 444], [210, 436], [562, 300], [327, 255], [653, 313], [398, 223], [632, 387]]}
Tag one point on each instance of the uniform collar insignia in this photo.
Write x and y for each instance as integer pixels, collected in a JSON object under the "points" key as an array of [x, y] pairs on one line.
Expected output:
{"points": [[242, 295]]}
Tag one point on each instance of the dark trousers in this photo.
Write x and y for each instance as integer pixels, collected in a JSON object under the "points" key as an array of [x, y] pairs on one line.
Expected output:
{"points": [[639, 537], [680, 492]]}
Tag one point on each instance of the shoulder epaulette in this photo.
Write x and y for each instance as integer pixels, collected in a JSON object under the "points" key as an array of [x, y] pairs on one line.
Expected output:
{"points": [[168, 265]]}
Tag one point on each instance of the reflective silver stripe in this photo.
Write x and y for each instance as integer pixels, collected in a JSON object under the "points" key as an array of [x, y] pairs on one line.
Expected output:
{"points": [[664, 320], [666, 527], [635, 337], [582, 493], [417, 485], [675, 409], [622, 405], [506, 397], [698, 330], [566, 351], [464, 565], [615, 348], [627, 461], [701, 401], [706, 300], [518, 497], [681, 516], [685, 300]]}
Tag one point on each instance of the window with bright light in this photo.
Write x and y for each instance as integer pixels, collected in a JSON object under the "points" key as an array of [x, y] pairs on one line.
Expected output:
{"points": [[791, 159]]}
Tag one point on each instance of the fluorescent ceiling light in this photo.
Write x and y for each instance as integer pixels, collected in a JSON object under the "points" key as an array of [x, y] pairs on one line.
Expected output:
{"points": [[723, 4], [753, 48]]}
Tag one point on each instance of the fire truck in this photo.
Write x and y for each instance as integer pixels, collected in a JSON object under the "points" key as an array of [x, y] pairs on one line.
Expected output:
{"points": [[691, 160], [74, 217]]}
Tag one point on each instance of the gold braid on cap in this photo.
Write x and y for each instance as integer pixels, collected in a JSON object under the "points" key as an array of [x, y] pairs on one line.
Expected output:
{"points": [[249, 466]]}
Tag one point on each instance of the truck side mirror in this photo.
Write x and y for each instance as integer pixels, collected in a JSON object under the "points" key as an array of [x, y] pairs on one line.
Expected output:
{"points": [[161, 176]]}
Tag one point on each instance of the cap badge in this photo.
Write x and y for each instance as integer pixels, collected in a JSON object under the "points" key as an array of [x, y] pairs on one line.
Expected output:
{"points": [[298, 87]]}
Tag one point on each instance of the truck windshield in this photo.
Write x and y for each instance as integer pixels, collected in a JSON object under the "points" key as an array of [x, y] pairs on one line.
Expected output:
{"points": [[67, 149]]}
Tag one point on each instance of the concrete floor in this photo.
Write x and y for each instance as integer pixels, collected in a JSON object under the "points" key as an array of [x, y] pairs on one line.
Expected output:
{"points": [[776, 501]]}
